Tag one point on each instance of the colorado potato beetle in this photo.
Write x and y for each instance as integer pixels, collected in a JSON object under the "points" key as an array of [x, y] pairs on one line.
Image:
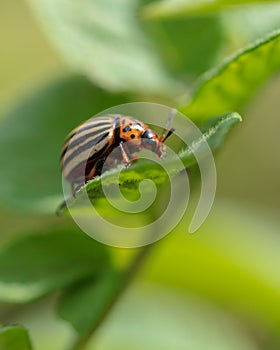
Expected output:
{"points": [[87, 146]]}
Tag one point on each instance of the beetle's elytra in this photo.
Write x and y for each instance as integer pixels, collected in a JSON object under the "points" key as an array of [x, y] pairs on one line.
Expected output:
{"points": [[87, 146]]}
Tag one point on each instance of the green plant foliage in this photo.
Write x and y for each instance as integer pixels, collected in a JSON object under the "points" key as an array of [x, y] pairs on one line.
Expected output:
{"points": [[230, 86], [232, 260], [247, 24], [152, 316], [187, 46], [136, 48], [86, 305], [36, 265], [110, 49], [14, 338], [148, 316], [182, 8], [31, 137], [214, 132]]}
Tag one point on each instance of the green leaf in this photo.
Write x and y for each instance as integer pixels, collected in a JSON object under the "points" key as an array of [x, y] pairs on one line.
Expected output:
{"points": [[14, 338], [86, 305], [214, 132], [103, 39], [182, 8], [230, 86], [233, 261], [157, 317], [31, 137], [36, 265], [249, 23], [188, 46]]}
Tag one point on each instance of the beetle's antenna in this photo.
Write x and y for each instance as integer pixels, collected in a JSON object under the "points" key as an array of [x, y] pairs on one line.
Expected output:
{"points": [[170, 132], [166, 133]]}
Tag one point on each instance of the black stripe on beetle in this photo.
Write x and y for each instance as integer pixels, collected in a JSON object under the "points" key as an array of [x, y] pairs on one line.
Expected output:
{"points": [[92, 142], [74, 143], [86, 126]]}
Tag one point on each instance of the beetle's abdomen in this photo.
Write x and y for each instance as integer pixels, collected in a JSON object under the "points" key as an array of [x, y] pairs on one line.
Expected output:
{"points": [[85, 145]]}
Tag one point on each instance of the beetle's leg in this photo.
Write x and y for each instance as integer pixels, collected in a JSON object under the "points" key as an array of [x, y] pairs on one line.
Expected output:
{"points": [[76, 188], [73, 189], [91, 173], [134, 157], [96, 169], [124, 155]]}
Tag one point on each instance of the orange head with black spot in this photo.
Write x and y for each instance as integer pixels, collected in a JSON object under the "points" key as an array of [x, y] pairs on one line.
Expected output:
{"points": [[142, 135]]}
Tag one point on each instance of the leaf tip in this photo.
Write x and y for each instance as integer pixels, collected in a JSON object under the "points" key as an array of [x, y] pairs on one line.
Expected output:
{"points": [[236, 115]]}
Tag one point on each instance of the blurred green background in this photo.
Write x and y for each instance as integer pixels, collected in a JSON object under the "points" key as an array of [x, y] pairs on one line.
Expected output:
{"points": [[217, 289]]}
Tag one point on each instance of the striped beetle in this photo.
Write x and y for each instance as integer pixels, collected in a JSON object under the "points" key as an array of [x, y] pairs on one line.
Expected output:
{"points": [[87, 146]]}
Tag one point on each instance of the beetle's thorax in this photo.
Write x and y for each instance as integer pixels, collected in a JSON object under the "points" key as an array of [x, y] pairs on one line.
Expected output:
{"points": [[131, 128], [143, 137]]}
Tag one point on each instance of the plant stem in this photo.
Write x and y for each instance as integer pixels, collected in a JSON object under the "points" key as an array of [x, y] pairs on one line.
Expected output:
{"points": [[128, 276]]}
